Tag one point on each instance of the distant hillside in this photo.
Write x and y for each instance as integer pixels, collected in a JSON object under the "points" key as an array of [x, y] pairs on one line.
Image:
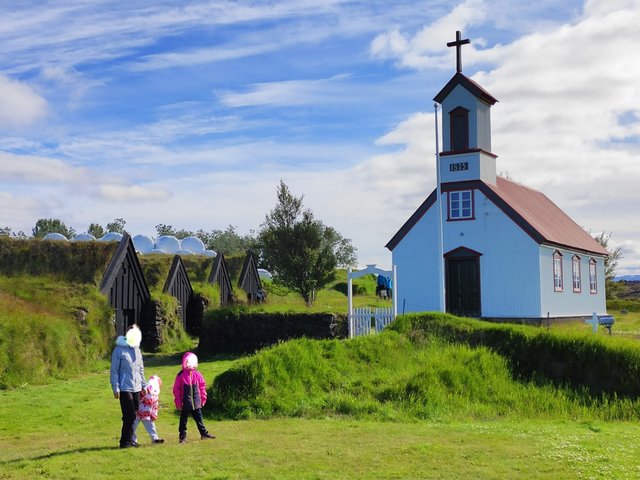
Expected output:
{"points": [[627, 278], [631, 289]]}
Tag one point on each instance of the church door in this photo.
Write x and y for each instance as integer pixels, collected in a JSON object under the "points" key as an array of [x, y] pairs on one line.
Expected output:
{"points": [[463, 285]]}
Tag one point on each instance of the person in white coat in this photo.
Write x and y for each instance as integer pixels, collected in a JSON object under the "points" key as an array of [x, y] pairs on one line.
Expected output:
{"points": [[127, 380]]}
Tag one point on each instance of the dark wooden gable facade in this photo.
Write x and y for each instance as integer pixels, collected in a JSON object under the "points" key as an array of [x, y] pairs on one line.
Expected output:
{"points": [[249, 279], [179, 286], [220, 274], [124, 284]]}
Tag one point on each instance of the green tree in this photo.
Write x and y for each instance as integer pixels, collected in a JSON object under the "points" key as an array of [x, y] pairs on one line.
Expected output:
{"points": [[162, 229], [96, 230], [228, 241], [5, 232], [301, 251], [51, 225], [117, 226], [610, 264]]}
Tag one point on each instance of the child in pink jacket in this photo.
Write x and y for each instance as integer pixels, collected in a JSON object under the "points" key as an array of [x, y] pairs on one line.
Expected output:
{"points": [[148, 409], [190, 395]]}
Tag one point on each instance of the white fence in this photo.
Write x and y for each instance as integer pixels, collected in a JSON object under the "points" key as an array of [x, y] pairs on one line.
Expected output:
{"points": [[365, 319]]}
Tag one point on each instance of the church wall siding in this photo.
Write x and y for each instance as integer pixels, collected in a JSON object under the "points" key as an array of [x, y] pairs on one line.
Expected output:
{"points": [[484, 126], [508, 264], [569, 303], [415, 258]]}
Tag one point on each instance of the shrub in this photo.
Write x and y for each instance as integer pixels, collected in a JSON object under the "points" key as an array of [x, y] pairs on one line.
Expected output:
{"points": [[630, 305]]}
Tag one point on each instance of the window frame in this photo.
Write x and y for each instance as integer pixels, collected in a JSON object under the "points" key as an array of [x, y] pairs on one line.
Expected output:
{"points": [[593, 276], [576, 277], [558, 276], [460, 208]]}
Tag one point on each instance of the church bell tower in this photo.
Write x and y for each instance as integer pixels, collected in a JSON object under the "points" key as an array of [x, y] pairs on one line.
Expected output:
{"points": [[466, 127]]}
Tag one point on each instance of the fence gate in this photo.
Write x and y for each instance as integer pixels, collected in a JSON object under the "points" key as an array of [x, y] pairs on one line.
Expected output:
{"points": [[364, 320]]}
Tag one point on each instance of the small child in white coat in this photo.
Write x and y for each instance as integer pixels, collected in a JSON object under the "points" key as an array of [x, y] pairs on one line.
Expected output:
{"points": [[148, 409]]}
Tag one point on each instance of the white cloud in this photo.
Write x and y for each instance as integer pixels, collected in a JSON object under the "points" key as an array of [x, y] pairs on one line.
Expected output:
{"points": [[20, 105], [133, 193], [32, 169], [290, 92], [428, 49]]}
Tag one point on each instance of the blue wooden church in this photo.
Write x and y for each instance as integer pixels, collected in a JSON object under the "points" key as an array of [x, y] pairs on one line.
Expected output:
{"points": [[487, 247]]}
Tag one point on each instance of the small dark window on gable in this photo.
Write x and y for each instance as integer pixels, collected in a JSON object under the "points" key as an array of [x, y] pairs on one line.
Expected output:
{"points": [[459, 127]]}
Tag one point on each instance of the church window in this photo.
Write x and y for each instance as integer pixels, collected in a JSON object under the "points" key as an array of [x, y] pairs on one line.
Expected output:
{"points": [[459, 129], [461, 205], [557, 272], [575, 273], [593, 278]]}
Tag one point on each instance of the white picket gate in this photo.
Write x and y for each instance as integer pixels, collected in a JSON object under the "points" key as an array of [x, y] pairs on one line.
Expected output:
{"points": [[361, 320]]}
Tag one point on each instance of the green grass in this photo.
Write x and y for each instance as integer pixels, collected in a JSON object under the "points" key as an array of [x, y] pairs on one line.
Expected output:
{"points": [[69, 429], [389, 377], [40, 335]]}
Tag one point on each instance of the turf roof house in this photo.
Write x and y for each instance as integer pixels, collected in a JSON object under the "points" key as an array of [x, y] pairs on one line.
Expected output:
{"points": [[125, 286], [220, 275], [223, 271], [509, 252], [249, 279], [178, 285]]}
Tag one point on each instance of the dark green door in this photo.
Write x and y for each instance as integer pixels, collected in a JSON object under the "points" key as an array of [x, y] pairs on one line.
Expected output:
{"points": [[463, 286]]}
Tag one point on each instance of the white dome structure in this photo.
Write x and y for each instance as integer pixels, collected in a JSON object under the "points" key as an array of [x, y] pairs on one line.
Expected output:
{"points": [[143, 244], [184, 251], [111, 237], [83, 237], [262, 273], [157, 251], [55, 236], [209, 253], [168, 243], [194, 244]]}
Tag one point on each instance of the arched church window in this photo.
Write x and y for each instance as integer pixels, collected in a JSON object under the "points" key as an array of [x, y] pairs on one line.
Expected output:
{"points": [[557, 272], [593, 277], [575, 273], [459, 127]]}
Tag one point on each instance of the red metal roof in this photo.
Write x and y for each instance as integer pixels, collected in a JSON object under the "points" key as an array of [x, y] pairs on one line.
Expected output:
{"points": [[530, 209], [544, 217]]}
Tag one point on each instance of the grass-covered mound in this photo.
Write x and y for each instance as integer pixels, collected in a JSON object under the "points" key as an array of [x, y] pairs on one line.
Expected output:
{"points": [[50, 328], [391, 377], [601, 364], [79, 262]]}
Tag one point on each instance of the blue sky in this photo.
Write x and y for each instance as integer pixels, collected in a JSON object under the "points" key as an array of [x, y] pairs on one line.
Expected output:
{"points": [[189, 113]]}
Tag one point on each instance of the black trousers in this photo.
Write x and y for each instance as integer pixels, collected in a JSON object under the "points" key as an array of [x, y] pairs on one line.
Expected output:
{"points": [[197, 416], [129, 402]]}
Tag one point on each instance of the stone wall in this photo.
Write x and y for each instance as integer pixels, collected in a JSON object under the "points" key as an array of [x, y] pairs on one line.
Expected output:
{"points": [[236, 331]]}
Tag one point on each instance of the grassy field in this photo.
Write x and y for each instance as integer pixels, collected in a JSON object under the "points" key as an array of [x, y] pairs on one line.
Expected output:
{"points": [[69, 429], [627, 324]]}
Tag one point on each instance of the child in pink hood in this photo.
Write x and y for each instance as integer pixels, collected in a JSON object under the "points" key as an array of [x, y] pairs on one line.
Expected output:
{"points": [[190, 395]]}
